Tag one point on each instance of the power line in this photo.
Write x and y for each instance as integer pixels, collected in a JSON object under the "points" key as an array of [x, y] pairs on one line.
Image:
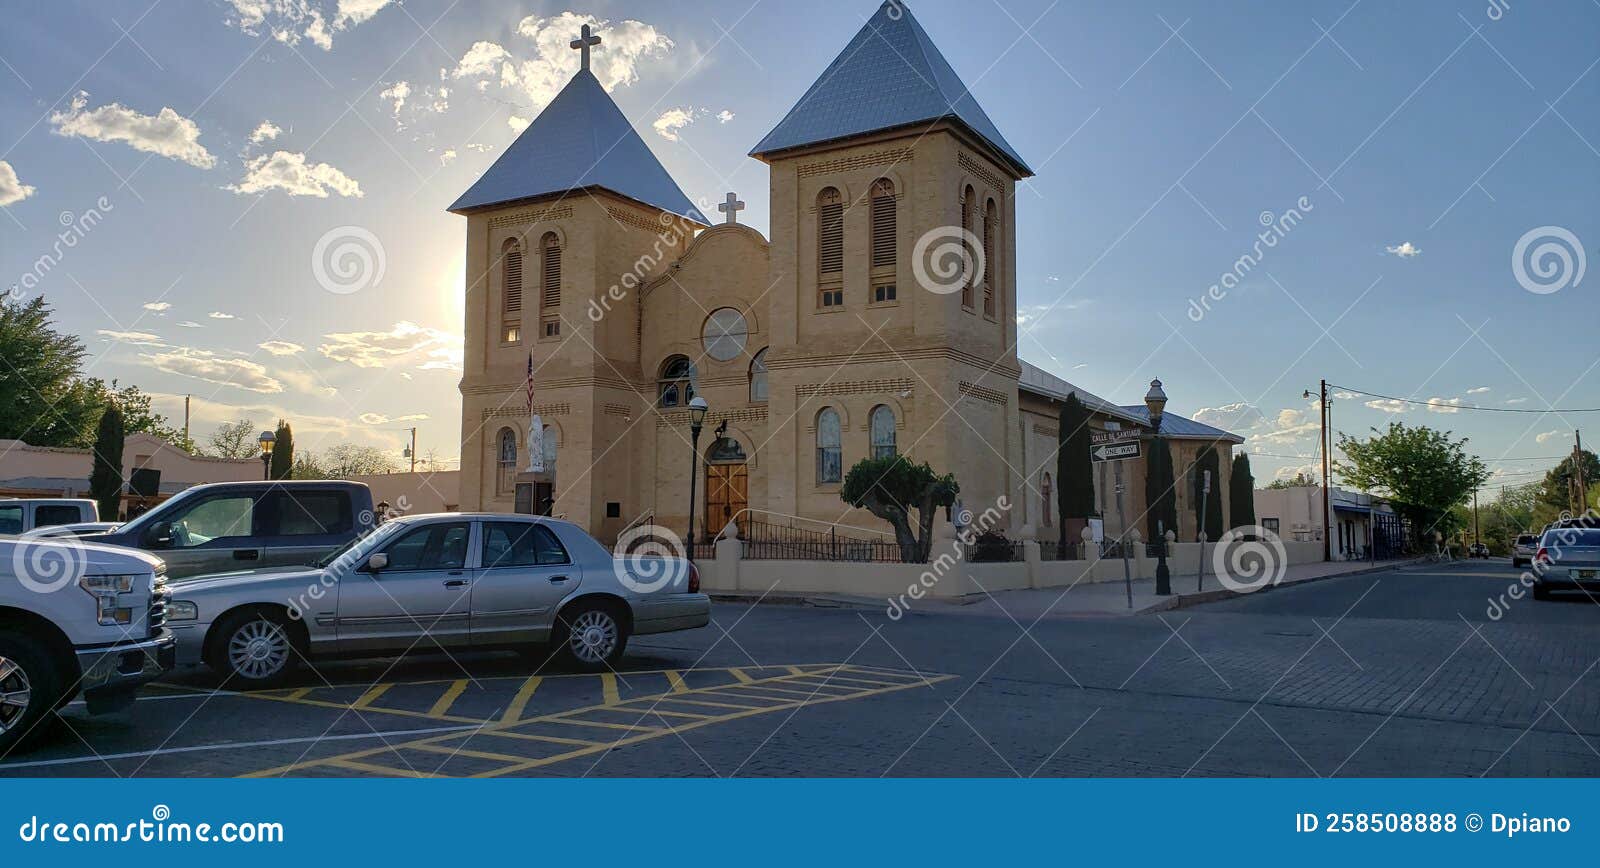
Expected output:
{"points": [[1453, 407]]}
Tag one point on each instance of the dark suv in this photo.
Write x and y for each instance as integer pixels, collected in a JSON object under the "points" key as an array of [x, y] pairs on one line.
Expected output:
{"points": [[231, 526]]}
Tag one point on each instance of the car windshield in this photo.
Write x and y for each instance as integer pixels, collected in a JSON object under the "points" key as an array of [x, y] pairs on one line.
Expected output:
{"points": [[1525, 540], [1571, 536], [138, 525], [356, 550]]}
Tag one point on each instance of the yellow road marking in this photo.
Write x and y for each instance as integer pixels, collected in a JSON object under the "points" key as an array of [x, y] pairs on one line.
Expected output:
{"points": [[741, 676], [380, 770], [371, 695], [449, 698], [670, 698], [608, 688], [603, 724], [664, 712], [737, 692], [302, 693], [520, 701], [475, 754], [795, 670], [761, 692], [529, 736], [676, 681], [879, 682]]}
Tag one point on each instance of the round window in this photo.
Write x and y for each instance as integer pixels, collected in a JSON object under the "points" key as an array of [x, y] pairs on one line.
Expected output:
{"points": [[725, 334]]}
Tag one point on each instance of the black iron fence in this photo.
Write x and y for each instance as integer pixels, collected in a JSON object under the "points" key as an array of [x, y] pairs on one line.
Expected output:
{"points": [[771, 542]]}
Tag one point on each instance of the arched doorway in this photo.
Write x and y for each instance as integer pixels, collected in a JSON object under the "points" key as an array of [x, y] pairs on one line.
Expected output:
{"points": [[727, 486]]}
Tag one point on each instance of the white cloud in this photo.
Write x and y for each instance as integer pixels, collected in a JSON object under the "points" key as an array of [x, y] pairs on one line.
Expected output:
{"points": [[353, 12], [190, 324], [406, 342], [143, 339], [1404, 250], [396, 95], [1546, 436], [12, 190], [291, 173], [380, 419], [289, 21], [1388, 405], [539, 78], [1311, 471], [1345, 396], [217, 314], [1230, 417], [1478, 391], [672, 122], [725, 116], [212, 368], [447, 157], [157, 306], [165, 134], [1516, 400], [1444, 405], [266, 131], [281, 348], [517, 123], [480, 147]]}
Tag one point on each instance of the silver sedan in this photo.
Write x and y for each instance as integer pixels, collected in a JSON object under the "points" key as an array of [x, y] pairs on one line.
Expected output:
{"points": [[434, 582]]}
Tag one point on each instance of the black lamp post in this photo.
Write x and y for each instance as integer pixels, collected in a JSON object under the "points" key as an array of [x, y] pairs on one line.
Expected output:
{"points": [[1156, 401], [697, 419], [266, 440]]}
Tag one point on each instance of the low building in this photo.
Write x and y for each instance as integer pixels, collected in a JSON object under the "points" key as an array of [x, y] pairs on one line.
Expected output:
{"points": [[420, 493], [1359, 520], [153, 469]]}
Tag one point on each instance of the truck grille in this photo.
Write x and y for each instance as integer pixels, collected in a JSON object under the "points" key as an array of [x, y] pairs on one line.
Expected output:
{"points": [[159, 597]]}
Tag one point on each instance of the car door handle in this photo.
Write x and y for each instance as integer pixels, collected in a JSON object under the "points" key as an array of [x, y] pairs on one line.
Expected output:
{"points": [[246, 555], [556, 580], [456, 583]]}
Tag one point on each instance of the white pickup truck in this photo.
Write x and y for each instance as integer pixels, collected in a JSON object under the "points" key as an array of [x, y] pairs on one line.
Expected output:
{"points": [[20, 515], [76, 618]]}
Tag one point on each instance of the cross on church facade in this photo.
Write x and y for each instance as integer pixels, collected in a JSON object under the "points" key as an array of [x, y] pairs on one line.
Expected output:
{"points": [[732, 207], [583, 42]]}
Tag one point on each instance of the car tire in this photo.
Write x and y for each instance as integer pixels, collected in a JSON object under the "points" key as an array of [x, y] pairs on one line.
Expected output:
{"points": [[1540, 592], [591, 636], [27, 675], [1516, 563], [255, 649]]}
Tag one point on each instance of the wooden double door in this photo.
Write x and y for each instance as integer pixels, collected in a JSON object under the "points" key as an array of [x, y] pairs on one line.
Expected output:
{"points": [[727, 497]]}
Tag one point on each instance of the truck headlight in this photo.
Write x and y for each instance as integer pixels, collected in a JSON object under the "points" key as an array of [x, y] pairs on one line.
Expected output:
{"points": [[182, 610], [106, 590]]}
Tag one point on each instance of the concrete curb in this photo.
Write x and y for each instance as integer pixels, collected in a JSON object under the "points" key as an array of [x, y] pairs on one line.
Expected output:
{"points": [[1185, 601], [819, 601]]}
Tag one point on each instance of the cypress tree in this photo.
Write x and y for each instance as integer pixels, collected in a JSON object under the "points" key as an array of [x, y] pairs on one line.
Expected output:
{"points": [[1160, 491], [1074, 469], [282, 465], [105, 480], [1242, 492]]}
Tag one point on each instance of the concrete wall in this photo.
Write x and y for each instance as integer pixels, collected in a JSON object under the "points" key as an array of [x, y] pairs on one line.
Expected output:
{"points": [[416, 493]]}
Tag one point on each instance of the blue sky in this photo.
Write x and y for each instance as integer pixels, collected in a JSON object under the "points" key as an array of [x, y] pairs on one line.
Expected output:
{"points": [[1426, 138]]}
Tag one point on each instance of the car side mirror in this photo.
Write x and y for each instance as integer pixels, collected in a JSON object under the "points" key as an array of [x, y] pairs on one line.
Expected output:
{"points": [[159, 535], [377, 562]]}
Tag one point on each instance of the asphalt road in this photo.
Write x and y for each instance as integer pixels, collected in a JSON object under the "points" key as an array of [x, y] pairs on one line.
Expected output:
{"points": [[1424, 671]]}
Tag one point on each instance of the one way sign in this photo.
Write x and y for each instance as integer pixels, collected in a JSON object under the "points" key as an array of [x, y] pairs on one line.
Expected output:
{"points": [[1114, 445], [1120, 452]]}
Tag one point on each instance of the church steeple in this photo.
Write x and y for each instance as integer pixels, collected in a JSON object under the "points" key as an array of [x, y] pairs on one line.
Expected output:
{"points": [[580, 140]]}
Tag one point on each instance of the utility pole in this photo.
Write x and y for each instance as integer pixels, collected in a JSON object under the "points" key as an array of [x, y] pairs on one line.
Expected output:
{"points": [[186, 417], [413, 450], [1475, 537], [1577, 473], [1327, 495]]}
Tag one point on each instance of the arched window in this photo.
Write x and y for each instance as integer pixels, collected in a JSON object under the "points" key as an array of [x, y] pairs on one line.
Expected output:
{"points": [[968, 216], [550, 286], [991, 264], [506, 462], [884, 234], [511, 291], [758, 378], [830, 248], [882, 424], [830, 457], [1047, 492], [676, 386]]}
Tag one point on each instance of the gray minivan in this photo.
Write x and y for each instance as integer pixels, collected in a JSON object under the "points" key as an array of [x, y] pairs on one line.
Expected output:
{"points": [[228, 526]]}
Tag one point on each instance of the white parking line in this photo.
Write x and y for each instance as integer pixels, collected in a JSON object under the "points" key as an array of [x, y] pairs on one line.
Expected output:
{"points": [[438, 730]]}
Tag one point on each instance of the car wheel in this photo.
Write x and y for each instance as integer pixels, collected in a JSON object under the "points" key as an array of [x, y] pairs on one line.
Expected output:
{"points": [[255, 649], [30, 686], [1540, 592], [591, 637]]}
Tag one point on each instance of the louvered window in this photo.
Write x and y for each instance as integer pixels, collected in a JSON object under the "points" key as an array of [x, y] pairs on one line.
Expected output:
{"points": [[883, 224], [511, 263], [991, 220], [968, 204], [830, 233], [550, 288]]}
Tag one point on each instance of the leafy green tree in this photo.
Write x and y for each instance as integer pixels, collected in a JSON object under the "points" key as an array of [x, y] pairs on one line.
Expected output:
{"points": [[1241, 493], [282, 465], [105, 479], [890, 488], [347, 459], [1074, 468], [1556, 490], [41, 398], [235, 439], [1208, 507], [1160, 491], [1424, 473], [308, 466], [1299, 480]]}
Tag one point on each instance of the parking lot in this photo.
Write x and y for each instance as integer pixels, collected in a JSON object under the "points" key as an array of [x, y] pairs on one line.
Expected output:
{"points": [[1401, 672]]}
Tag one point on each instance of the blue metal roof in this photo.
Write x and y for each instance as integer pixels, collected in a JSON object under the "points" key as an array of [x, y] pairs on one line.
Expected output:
{"points": [[1173, 425], [580, 140], [890, 75]]}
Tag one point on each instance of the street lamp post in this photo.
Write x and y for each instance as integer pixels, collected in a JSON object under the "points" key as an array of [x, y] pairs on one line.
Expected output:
{"points": [[266, 440], [1156, 401], [697, 419]]}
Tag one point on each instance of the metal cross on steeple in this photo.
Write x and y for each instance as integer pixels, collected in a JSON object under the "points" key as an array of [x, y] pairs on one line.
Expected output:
{"points": [[582, 44], [732, 207]]}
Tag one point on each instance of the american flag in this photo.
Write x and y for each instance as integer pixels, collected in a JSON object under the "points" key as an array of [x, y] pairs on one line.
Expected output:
{"points": [[529, 384]]}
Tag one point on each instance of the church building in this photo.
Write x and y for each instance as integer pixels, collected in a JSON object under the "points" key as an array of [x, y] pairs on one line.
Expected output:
{"points": [[591, 272]]}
